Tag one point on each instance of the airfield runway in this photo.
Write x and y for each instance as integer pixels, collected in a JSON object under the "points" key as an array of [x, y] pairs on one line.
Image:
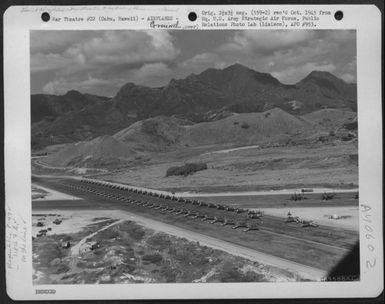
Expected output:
{"points": [[309, 251]]}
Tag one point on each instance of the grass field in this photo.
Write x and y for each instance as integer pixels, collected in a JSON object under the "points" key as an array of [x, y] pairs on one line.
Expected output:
{"points": [[255, 169], [283, 200]]}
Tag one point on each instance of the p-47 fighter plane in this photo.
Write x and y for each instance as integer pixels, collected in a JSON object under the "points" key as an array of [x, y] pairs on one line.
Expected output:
{"points": [[251, 227], [308, 224], [239, 225], [290, 219]]}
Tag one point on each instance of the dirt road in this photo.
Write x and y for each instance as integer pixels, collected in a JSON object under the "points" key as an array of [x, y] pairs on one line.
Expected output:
{"points": [[75, 250]]}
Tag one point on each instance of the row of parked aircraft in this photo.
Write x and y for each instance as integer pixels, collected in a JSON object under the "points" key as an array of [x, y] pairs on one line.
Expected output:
{"points": [[203, 216], [252, 214]]}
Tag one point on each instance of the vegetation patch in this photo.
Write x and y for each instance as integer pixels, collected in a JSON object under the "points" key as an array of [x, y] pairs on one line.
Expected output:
{"points": [[152, 258], [187, 169], [134, 231], [351, 125], [159, 240]]}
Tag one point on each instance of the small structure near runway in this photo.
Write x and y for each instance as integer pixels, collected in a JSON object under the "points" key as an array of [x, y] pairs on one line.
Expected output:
{"points": [[89, 246]]}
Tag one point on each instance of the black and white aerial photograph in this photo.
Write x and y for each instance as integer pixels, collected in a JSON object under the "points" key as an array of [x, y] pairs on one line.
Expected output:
{"points": [[194, 156]]}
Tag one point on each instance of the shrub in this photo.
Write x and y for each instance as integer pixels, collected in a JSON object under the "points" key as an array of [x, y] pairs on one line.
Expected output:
{"points": [[152, 258], [236, 123], [49, 252], [348, 137], [81, 264], [245, 125], [230, 273], [351, 125], [62, 268], [107, 234], [159, 240], [134, 231], [322, 138], [169, 274], [189, 168]]}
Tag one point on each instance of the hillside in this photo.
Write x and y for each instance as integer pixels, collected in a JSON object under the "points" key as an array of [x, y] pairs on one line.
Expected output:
{"points": [[330, 118], [84, 124], [153, 134], [166, 134], [101, 151], [52, 106], [246, 129]]}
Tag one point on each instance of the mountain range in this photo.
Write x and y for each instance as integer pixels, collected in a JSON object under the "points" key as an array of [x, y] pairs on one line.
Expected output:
{"points": [[211, 95]]}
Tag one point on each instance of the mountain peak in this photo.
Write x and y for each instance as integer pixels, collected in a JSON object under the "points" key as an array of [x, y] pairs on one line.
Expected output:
{"points": [[73, 93], [322, 75], [236, 67], [329, 84]]}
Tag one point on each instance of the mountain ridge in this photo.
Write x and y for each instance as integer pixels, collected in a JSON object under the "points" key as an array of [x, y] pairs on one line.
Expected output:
{"points": [[236, 88]]}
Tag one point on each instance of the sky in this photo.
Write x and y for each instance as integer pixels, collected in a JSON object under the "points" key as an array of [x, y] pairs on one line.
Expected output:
{"points": [[101, 62]]}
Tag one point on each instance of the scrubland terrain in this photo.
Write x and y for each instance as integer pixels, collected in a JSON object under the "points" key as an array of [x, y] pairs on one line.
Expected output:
{"points": [[130, 253]]}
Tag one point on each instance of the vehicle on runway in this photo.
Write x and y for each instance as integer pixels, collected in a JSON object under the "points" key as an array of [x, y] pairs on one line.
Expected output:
{"points": [[57, 221]]}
